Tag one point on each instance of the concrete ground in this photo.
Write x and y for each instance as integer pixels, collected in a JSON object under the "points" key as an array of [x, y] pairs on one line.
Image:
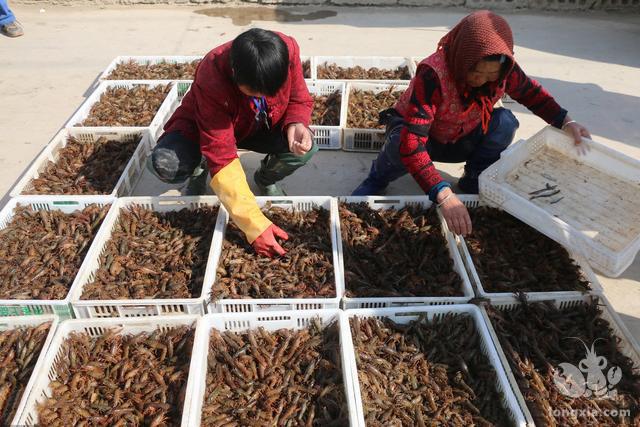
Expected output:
{"points": [[589, 61]]}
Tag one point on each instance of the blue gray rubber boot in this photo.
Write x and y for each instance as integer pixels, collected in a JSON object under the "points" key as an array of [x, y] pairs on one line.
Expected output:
{"points": [[275, 167], [386, 168]]}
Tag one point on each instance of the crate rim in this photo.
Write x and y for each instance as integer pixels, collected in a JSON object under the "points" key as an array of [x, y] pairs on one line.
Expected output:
{"points": [[7, 213], [616, 261], [201, 350], [483, 331], [13, 322], [580, 261], [61, 137], [618, 327], [104, 236], [138, 58], [214, 306], [68, 326], [456, 257]]}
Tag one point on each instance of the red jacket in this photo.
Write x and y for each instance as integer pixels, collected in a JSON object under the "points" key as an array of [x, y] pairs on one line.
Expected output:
{"points": [[217, 114], [432, 109]]}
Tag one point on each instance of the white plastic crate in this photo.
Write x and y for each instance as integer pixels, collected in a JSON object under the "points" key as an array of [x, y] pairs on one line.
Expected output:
{"points": [[128, 178], [154, 127], [329, 137], [138, 307], [399, 202], [66, 204], [599, 214], [146, 60], [382, 62], [272, 321], [182, 87], [93, 327], [312, 69], [472, 201], [367, 140], [405, 315], [269, 304], [627, 345], [9, 323]]}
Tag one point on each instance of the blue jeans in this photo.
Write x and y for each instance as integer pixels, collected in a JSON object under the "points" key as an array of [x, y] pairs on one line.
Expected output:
{"points": [[6, 16], [478, 150]]}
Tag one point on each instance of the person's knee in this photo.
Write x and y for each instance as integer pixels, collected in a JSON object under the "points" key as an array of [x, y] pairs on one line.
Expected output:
{"points": [[391, 149], [174, 159], [503, 126]]}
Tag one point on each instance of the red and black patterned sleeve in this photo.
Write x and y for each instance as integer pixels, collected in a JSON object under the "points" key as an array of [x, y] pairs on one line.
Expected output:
{"points": [[532, 95], [418, 118]]}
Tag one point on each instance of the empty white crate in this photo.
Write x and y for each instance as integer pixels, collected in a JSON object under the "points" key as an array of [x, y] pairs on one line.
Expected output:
{"points": [[241, 322], [9, 323], [40, 390], [370, 140], [130, 174], [160, 117], [627, 345], [391, 202], [328, 137], [599, 213], [366, 62], [146, 60], [66, 204], [138, 307], [269, 304], [475, 201], [406, 315]]}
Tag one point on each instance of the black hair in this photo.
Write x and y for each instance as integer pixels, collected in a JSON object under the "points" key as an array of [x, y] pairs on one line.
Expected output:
{"points": [[260, 60]]}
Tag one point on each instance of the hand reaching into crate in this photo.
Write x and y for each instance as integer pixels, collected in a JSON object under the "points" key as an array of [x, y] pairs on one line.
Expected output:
{"points": [[266, 243], [454, 212]]}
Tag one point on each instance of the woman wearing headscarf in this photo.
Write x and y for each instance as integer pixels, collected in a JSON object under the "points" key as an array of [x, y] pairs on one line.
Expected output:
{"points": [[447, 114]]}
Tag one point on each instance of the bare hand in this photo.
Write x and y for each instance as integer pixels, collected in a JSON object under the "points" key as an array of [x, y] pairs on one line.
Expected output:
{"points": [[577, 131], [454, 212], [299, 138]]}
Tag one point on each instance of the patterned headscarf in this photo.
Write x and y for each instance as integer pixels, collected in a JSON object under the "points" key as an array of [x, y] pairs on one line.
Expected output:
{"points": [[477, 36]]}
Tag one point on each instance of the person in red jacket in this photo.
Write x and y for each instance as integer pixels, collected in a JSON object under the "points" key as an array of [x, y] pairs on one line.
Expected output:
{"points": [[250, 94], [447, 114]]}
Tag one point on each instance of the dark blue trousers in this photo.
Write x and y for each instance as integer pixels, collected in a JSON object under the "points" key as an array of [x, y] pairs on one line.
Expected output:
{"points": [[478, 150]]}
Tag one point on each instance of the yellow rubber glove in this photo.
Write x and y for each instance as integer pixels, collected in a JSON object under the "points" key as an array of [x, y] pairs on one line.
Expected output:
{"points": [[230, 185]]}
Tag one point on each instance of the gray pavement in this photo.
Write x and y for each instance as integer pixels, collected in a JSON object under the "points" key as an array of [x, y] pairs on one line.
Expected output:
{"points": [[589, 61]]}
